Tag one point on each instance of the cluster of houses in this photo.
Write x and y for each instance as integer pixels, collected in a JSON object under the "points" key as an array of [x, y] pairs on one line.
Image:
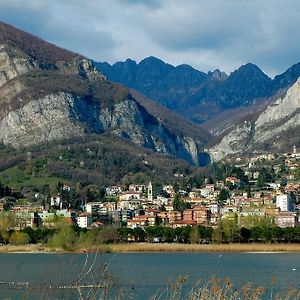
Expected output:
{"points": [[137, 206], [138, 211]]}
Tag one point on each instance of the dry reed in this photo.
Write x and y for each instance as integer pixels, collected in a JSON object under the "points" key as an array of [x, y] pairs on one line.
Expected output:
{"points": [[164, 247], [147, 247]]}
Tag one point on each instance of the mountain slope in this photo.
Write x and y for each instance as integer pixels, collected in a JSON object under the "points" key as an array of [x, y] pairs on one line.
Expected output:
{"points": [[48, 93], [94, 159], [274, 128]]}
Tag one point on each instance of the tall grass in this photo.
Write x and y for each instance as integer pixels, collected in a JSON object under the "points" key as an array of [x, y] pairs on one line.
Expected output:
{"points": [[217, 289], [147, 247]]}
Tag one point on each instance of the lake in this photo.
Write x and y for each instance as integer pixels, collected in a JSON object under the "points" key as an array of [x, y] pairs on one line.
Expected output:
{"points": [[142, 275]]}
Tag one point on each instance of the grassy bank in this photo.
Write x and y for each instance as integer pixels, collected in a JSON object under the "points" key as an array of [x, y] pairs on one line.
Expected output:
{"points": [[26, 249], [147, 247]]}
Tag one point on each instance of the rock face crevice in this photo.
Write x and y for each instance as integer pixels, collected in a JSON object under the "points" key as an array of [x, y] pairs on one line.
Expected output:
{"points": [[268, 132]]}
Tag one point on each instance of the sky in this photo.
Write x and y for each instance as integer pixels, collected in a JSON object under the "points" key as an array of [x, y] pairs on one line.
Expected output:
{"points": [[207, 34]]}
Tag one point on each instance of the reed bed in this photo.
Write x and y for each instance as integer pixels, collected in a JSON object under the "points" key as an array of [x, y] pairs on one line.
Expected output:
{"points": [[159, 247], [148, 247], [25, 249]]}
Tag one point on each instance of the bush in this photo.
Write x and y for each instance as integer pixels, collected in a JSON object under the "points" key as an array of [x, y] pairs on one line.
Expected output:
{"points": [[19, 238], [65, 238]]}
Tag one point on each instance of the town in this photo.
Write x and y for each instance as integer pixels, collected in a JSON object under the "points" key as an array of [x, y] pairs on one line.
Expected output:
{"points": [[246, 192]]}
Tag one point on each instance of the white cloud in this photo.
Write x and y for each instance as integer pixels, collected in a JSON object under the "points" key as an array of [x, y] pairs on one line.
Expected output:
{"points": [[207, 34]]}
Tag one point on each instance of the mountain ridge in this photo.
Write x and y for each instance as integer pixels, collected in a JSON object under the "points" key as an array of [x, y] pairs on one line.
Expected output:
{"points": [[204, 97]]}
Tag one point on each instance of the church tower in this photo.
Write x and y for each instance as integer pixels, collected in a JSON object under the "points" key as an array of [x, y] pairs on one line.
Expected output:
{"points": [[150, 192]]}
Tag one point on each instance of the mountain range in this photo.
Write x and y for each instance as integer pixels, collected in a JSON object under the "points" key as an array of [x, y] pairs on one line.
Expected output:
{"points": [[195, 95], [49, 95]]}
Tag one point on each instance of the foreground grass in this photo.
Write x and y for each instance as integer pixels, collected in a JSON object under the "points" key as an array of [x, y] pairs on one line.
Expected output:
{"points": [[147, 247]]}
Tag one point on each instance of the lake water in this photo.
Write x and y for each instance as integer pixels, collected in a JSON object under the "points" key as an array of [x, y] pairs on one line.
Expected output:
{"points": [[142, 275]]}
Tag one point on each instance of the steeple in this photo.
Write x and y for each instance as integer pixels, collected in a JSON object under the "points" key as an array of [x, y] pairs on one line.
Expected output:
{"points": [[150, 192]]}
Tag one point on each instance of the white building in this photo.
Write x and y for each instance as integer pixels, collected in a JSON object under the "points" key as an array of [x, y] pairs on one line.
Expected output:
{"points": [[55, 201], [287, 219], [214, 208], [47, 218], [284, 202], [92, 207], [84, 220], [205, 192]]}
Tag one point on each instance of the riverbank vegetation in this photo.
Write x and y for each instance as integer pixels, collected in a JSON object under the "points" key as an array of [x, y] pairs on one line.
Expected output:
{"points": [[150, 247], [66, 238]]}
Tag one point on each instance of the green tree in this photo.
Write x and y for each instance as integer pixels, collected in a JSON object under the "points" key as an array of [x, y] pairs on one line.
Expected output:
{"points": [[218, 234], [297, 172], [245, 235], [283, 181], [223, 196], [195, 235], [106, 235], [19, 238], [65, 238], [239, 173], [8, 221], [179, 204], [265, 176], [227, 231]]}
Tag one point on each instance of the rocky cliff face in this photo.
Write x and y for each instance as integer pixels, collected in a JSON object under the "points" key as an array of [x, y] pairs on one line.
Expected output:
{"points": [[41, 120], [273, 129], [47, 93], [13, 63]]}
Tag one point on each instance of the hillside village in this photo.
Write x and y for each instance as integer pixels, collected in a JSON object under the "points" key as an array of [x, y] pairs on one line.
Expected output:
{"points": [[263, 188]]}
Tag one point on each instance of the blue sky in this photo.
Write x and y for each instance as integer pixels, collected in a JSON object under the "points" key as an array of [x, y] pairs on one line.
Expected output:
{"points": [[207, 34]]}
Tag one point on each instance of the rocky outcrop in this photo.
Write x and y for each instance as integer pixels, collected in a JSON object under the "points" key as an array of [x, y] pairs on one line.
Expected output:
{"points": [[41, 120], [268, 131], [13, 64], [232, 143]]}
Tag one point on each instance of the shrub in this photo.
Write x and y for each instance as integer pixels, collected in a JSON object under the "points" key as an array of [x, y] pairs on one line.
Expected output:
{"points": [[19, 238]]}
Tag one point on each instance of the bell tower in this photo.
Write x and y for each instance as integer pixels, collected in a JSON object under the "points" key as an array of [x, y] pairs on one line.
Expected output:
{"points": [[150, 192]]}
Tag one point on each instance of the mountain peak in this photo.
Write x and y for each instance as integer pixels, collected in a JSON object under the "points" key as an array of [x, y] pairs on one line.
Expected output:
{"points": [[251, 72], [249, 67], [218, 75], [151, 60]]}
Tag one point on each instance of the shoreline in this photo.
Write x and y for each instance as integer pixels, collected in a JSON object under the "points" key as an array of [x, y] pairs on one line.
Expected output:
{"points": [[160, 248]]}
